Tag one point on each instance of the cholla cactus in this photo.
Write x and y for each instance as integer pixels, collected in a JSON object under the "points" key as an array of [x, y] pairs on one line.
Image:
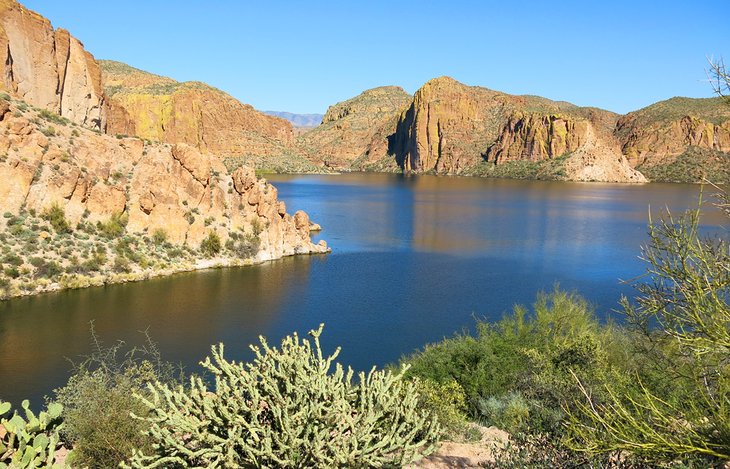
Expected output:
{"points": [[287, 409], [32, 441]]}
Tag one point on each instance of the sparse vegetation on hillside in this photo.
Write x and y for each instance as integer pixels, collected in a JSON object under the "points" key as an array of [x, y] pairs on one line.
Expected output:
{"points": [[41, 252], [550, 169], [288, 163], [694, 165]]}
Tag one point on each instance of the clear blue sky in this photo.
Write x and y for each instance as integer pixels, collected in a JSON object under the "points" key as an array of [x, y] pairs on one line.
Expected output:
{"points": [[302, 56]]}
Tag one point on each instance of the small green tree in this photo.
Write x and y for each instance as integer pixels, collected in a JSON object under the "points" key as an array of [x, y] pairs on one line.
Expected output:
{"points": [[287, 409], [682, 311], [56, 216], [211, 245]]}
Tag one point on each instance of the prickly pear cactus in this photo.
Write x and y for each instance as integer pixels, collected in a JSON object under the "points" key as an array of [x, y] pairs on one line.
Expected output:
{"points": [[28, 440], [287, 409]]}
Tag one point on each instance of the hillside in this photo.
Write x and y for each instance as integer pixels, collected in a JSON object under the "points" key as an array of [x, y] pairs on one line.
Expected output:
{"points": [[161, 109], [451, 128], [679, 140], [99, 209], [354, 133]]}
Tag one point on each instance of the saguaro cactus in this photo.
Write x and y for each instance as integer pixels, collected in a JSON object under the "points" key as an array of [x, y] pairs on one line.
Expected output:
{"points": [[287, 409]]}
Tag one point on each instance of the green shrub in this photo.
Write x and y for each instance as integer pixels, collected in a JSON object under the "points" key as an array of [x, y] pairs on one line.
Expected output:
{"points": [[159, 236], [510, 411], [122, 265], [99, 398], [56, 216], [447, 402], [682, 311], [53, 117], [48, 131], [286, 409], [114, 227], [246, 247], [211, 245], [529, 358]]}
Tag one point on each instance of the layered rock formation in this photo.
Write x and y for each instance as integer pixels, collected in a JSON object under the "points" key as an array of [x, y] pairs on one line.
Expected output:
{"points": [[659, 133], [355, 132], [49, 69], [161, 109], [175, 188], [451, 128]]}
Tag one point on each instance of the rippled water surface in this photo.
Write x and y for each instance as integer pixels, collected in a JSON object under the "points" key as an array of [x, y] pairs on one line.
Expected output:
{"points": [[413, 260]]}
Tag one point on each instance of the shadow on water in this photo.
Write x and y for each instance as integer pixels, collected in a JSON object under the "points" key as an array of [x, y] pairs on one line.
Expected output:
{"points": [[414, 260]]}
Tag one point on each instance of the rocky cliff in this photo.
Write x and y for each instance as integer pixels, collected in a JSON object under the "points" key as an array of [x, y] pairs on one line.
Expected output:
{"points": [[451, 128], [176, 189], [354, 133], [161, 109], [49, 68], [680, 139]]}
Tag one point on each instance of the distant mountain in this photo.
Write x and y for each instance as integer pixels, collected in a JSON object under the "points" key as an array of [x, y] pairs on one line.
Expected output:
{"points": [[298, 120]]}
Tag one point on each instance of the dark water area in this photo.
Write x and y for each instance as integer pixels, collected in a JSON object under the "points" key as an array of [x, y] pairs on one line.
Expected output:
{"points": [[414, 259]]}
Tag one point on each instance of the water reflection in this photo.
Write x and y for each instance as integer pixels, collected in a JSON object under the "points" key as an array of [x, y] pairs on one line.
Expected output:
{"points": [[184, 314]]}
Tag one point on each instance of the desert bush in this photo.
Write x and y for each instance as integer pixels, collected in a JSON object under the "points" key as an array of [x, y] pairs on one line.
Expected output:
{"points": [[122, 265], [525, 364], [683, 314], [211, 245], [114, 227], [447, 402], [286, 409], [56, 216], [99, 398], [159, 236], [247, 246]]}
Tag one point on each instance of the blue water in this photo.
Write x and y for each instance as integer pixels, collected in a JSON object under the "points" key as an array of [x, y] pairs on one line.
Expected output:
{"points": [[414, 259]]}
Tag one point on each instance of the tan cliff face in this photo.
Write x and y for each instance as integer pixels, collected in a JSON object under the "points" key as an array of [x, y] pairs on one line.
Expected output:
{"points": [[537, 137], [659, 133], [446, 127], [355, 131], [175, 188], [49, 69], [160, 109], [451, 128]]}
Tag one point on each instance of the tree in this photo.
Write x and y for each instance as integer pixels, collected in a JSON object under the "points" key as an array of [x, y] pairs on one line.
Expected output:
{"points": [[682, 312], [719, 77]]}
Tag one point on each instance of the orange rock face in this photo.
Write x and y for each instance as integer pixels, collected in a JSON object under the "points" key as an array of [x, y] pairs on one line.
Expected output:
{"points": [[161, 109], [175, 188], [49, 69], [451, 128], [659, 133]]}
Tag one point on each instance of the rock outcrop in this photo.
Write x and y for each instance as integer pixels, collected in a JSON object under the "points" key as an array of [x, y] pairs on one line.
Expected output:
{"points": [[175, 188], [49, 68], [354, 133], [161, 109], [451, 128], [659, 133]]}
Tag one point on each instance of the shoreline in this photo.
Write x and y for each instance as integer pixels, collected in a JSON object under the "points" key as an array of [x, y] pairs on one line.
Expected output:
{"points": [[87, 281]]}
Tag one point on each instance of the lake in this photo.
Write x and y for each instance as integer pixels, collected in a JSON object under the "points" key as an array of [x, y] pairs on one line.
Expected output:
{"points": [[414, 259]]}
